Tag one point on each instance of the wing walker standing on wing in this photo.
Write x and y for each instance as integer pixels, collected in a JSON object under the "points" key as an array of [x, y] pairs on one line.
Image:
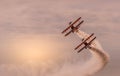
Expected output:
{"points": [[86, 42]]}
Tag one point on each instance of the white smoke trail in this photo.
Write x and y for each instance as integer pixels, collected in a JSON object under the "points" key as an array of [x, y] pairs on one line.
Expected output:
{"points": [[99, 57]]}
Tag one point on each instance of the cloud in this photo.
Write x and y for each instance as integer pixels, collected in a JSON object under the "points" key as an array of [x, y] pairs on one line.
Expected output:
{"points": [[39, 17], [27, 16]]}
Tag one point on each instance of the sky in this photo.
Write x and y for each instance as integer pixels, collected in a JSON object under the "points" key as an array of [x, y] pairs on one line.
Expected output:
{"points": [[30, 34]]}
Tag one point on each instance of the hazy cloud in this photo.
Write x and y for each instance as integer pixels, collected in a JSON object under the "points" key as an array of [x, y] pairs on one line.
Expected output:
{"points": [[39, 17]]}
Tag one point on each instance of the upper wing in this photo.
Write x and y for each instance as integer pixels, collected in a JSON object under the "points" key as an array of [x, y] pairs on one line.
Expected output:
{"points": [[79, 24], [91, 41]]}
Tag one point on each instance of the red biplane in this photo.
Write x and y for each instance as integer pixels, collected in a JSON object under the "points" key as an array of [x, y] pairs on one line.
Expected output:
{"points": [[72, 27], [86, 42]]}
